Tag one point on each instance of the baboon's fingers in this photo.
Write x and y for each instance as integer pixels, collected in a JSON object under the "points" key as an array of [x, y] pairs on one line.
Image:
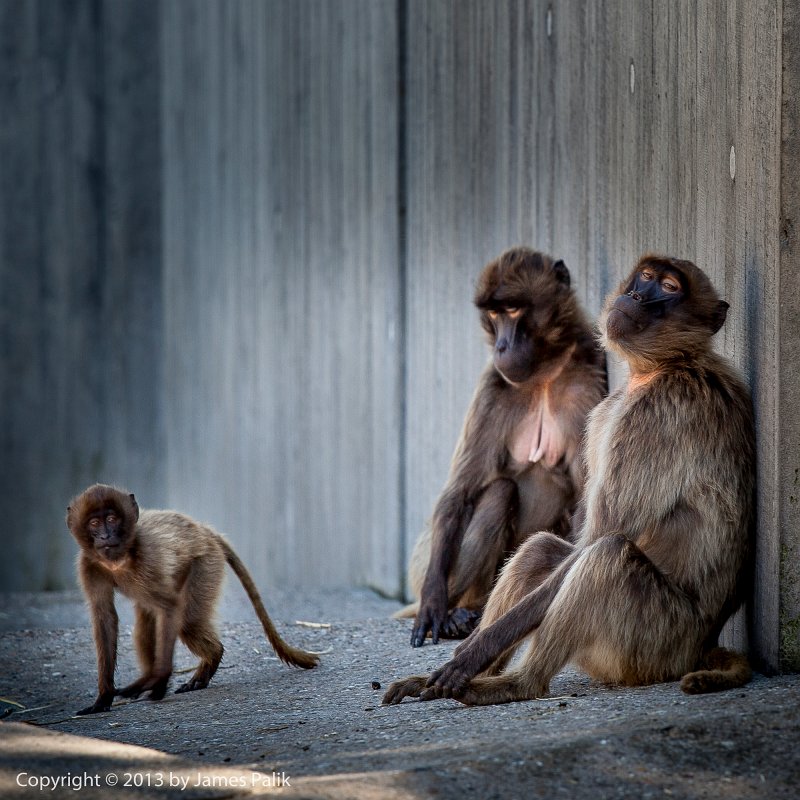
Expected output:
{"points": [[450, 680], [407, 687], [460, 623]]}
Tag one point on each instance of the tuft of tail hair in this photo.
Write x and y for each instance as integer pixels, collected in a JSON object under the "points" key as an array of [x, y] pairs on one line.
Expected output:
{"points": [[720, 669], [285, 652], [407, 612]]}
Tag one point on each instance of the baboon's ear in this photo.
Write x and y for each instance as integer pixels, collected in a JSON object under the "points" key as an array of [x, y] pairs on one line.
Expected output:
{"points": [[720, 313], [561, 271], [135, 507]]}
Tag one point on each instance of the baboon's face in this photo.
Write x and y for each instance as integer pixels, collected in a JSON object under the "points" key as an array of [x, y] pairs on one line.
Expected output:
{"points": [[103, 521], [525, 301], [651, 292]]}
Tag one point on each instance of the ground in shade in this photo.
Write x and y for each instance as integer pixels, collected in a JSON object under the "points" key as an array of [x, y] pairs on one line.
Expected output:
{"points": [[325, 731]]}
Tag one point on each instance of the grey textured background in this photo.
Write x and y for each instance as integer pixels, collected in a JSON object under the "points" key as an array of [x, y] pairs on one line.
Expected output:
{"points": [[238, 242]]}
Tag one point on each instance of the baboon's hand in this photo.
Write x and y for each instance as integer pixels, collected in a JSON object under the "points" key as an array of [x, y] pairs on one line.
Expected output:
{"points": [[407, 687], [431, 616], [449, 681], [460, 623], [453, 678]]}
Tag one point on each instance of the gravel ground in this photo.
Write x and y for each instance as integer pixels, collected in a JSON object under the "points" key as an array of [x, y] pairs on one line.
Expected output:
{"points": [[327, 734]]}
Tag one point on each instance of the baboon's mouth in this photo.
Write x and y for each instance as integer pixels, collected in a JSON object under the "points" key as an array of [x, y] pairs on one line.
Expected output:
{"points": [[620, 311], [111, 553]]}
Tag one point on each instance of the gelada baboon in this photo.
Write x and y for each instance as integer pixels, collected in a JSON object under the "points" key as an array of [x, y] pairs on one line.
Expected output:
{"points": [[661, 555], [517, 467], [172, 568]]}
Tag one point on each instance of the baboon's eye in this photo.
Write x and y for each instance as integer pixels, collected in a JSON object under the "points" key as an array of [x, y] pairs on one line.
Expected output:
{"points": [[111, 519], [94, 522], [513, 312], [492, 314], [647, 275], [670, 285]]}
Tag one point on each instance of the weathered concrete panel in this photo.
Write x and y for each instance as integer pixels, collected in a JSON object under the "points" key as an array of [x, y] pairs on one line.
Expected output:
{"points": [[787, 310], [283, 330], [79, 305], [134, 353]]}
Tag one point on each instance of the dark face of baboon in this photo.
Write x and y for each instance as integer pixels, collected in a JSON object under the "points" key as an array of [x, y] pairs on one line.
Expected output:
{"points": [[525, 306], [649, 294], [102, 519], [665, 310]]}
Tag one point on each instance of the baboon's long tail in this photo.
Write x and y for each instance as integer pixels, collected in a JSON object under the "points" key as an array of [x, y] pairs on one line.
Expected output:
{"points": [[722, 669], [285, 652]]}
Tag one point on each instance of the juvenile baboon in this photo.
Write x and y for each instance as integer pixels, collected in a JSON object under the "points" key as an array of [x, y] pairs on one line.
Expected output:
{"points": [[660, 560], [517, 467], [172, 568]]}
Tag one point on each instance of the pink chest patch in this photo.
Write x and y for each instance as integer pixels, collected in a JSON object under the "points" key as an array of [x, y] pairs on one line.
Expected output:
{"points": [[539, 436]]}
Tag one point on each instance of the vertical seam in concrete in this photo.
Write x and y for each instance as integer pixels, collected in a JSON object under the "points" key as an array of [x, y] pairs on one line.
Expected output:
{"points": [[162, 21], [26, 567], [788, 343], [160, 365], [402, 257], [99, 182], [772, 657]]}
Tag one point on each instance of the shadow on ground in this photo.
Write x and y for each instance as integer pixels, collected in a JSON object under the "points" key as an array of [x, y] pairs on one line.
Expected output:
{"points": [[264, 728]]}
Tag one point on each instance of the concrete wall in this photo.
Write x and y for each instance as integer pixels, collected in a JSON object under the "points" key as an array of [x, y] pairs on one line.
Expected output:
{"points": [[295, 199], [80, 264], [282, 283]]}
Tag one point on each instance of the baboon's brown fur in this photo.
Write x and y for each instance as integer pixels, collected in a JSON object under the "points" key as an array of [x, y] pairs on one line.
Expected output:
{"points": [[172, 568], [661, 558], [517, 466]]}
